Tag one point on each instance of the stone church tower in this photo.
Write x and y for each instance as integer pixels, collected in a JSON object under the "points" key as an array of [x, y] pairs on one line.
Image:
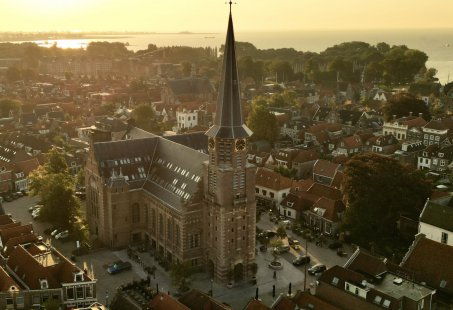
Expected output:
{"points": [[230, 213]]}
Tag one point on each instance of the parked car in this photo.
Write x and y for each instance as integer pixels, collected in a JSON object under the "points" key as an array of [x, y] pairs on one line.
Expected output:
{"points": [[35, 213], [62, 235], [33, 208], [301, 260], [55, 232], [296, 245], [118, 267], [8, 198], [80, 195], [282, 249], [316, 269]]}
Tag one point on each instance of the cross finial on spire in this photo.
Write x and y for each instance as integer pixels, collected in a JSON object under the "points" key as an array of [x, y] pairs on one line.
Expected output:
{"points": [[230, 3]]}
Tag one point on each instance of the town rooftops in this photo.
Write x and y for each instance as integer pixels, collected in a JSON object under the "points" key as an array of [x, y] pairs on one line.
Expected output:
{"points": [[163, 302], [254, 304], [34, 263], [272, 180], [430, 262], [197, 300], [307, 301], [388, 291], [7, 283], [366, 264], [325, 168], [438, 215]]}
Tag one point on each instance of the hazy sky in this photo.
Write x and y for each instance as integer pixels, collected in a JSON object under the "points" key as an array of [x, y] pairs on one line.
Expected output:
{"points": [[211, 15]]}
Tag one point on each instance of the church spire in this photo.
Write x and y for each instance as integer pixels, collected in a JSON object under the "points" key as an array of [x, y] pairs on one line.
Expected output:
{"points": [[229, 122]]}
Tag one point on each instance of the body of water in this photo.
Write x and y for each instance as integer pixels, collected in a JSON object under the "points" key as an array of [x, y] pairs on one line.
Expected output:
{"points": [[436, 43]]}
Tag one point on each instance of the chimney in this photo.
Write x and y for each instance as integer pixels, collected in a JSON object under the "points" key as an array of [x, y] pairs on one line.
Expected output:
{"points": [[394, 116], [420, 115], [410, 113]]}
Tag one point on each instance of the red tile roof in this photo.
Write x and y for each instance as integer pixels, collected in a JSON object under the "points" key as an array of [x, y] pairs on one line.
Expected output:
{"points": [[197, 300], [163, 302], [325, 168], [6, 282], [254, 304], [431, 262], [303, 300], [327, 191], [272, 180]]}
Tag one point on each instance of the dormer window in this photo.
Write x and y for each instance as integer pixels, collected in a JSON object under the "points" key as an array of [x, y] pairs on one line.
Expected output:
{"points": [[441, 155], [44, 284], [78, 277]]}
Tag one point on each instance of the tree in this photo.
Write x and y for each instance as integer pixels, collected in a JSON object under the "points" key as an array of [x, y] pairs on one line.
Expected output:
{"points": [[378, 190], [275, 243], [402, 104], [51, 304], [179, 273], [55, 186], [13, 74], [281, 231], [263, 124], [8, 106], [144, 117]]}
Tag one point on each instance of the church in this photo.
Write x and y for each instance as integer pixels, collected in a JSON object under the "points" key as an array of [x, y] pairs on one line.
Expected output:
{"points": [[190, 198]]}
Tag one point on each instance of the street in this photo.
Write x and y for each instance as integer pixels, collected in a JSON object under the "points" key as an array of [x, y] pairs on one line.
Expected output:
{"points": [[237, 296]]}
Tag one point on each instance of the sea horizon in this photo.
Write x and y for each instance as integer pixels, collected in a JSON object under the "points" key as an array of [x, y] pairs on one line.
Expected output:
{"points": [[437, 43]]}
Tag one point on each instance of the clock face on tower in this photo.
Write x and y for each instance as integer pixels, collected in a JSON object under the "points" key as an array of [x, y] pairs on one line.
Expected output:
{"points": [[240, 145], [211, 143]]}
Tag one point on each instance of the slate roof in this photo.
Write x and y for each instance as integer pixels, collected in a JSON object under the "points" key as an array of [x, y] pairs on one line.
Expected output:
{"points": [[228, 121], [438, 215], [168, 170], [197, 141]]}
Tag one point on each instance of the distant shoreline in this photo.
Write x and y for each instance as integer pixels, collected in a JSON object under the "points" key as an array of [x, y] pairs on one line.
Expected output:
{"points": [[23, 36]]}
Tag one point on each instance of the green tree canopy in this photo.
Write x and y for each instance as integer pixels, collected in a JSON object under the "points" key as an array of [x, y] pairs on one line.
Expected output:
{"points": [[143, 115], [55, 186], [404, 103], [378, 190], [7, 106], [263, 123]]}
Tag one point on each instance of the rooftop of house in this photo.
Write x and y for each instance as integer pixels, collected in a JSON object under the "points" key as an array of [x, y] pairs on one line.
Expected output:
{"points": [[7, 283], [163, 302], [307, 301], [430, 262], [325, 168], [272, 180], [33, 263], [197, 300], [438, 213], [254, 304], [388, 290]]}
